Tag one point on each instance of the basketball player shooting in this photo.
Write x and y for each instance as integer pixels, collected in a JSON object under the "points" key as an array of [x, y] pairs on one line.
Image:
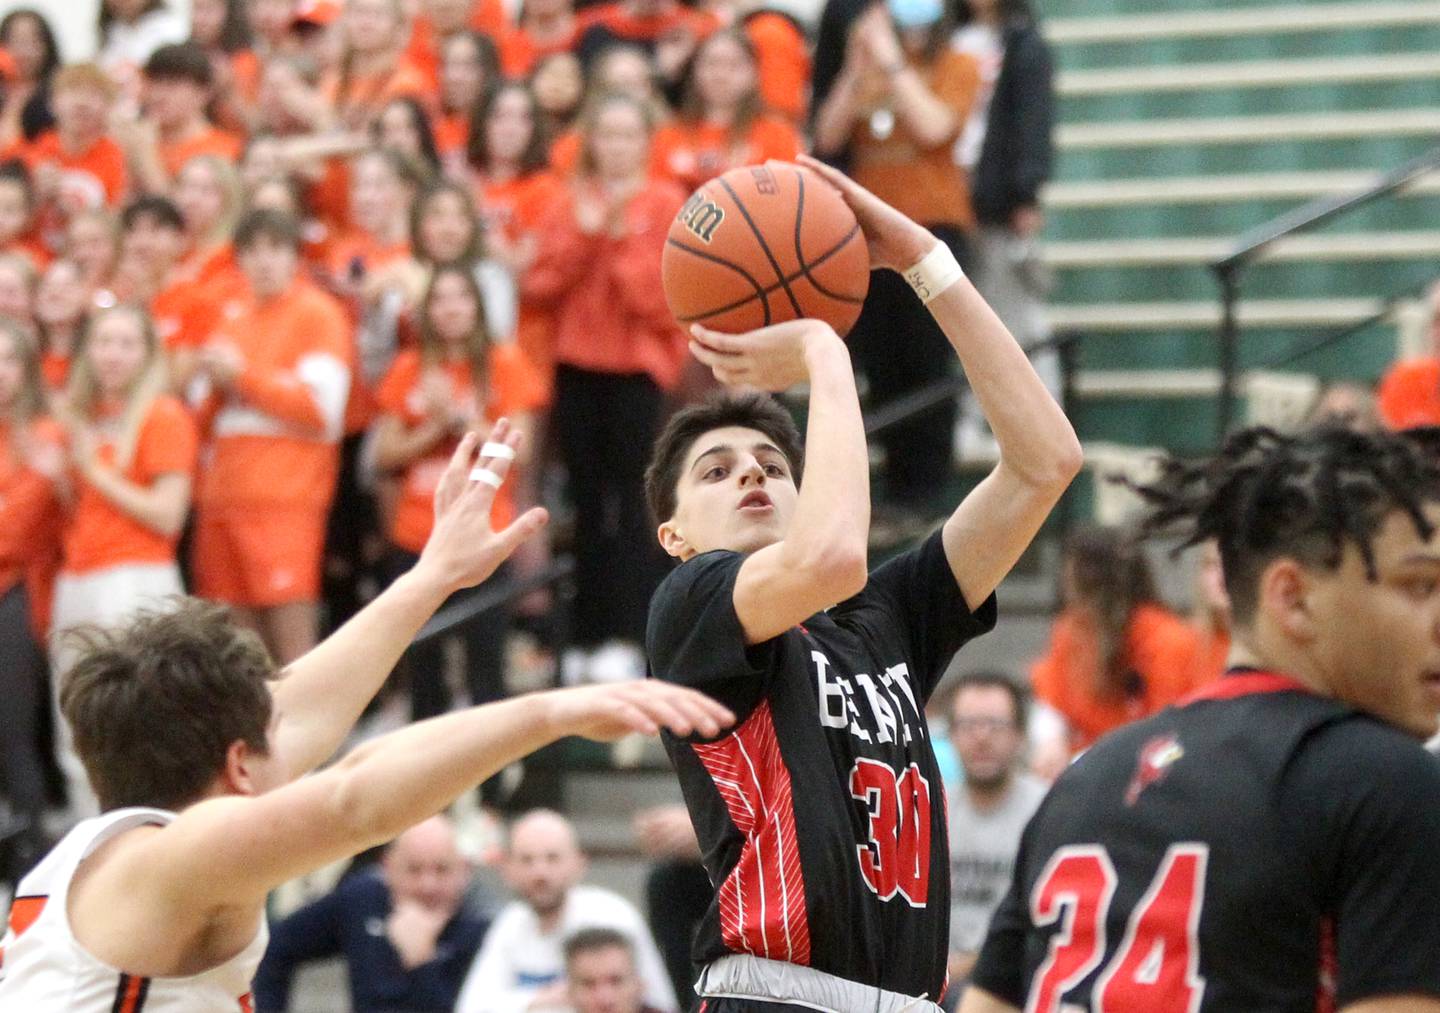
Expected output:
{"points": [[196, 749], [820, 815], [1269, 843]]}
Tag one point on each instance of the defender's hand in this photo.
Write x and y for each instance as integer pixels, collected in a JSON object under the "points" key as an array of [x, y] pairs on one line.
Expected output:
{"points": [[772, 358], [606, 713], [895, 241]]}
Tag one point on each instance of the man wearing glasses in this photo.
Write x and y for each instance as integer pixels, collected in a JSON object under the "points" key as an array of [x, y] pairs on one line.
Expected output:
{"points": [[988, 809]]}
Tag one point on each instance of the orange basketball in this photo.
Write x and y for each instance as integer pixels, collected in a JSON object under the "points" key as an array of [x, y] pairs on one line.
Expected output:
{"points": [[763, 244]]}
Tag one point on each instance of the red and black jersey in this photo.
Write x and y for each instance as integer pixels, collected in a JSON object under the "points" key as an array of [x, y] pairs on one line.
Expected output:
{"points": [[1257, 847], [821, 815]]}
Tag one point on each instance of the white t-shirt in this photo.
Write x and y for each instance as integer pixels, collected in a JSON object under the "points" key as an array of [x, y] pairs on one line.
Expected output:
{"points": [[517, 959], [985, 45], [982, 856], [44, 969]]}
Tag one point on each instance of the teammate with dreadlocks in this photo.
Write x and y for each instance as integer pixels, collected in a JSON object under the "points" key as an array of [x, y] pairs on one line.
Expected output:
{"points": [[1271, 842]]}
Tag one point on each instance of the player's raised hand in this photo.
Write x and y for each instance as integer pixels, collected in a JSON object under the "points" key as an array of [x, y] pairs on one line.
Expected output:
{"points": [[463, 548], [771, 358], [609, 712], [895, 240]]}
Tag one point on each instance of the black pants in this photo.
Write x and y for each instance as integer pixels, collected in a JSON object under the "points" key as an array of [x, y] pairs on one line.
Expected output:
{"points": [[900, 348], [677, 895], [605, 425], [351, 530], [23, 689]]}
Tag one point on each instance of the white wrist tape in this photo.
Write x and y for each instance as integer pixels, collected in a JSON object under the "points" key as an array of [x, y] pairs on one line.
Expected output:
{"points": [[487, 476], [934, 273], [498, 450]]}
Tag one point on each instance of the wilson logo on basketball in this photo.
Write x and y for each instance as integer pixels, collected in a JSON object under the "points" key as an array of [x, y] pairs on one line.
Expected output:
{"points": [[701, 217]]}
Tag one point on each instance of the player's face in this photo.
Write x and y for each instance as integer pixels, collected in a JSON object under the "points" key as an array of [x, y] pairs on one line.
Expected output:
{"points": [[735, 492], [604, 981], [1379, 642], [985, 735]]}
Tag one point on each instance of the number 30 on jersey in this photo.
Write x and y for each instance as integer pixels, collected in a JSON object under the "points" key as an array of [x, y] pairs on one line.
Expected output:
{"points": [[1156, 967]]}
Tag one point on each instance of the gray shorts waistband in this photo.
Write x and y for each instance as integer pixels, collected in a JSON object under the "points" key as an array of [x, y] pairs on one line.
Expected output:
{"points": [[741, 976]]}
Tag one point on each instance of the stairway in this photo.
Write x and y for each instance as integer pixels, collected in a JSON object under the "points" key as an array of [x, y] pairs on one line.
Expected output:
{"points": [[1181, 128]]}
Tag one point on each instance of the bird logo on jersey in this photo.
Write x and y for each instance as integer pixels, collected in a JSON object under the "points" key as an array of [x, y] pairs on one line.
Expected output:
{"points": [[1153, 763]]}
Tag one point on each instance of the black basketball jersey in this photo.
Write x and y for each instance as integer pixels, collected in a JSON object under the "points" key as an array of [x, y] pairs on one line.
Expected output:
{"points": [[821, 815], [1256, 848]]}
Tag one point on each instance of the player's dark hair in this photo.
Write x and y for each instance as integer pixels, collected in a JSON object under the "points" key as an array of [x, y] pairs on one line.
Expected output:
{"points": [[594, 939], [180, 61], [155, 706], [1106, 572], [160, 210], [266, 223], [993, 679], [753, 410], [1306, 496]]}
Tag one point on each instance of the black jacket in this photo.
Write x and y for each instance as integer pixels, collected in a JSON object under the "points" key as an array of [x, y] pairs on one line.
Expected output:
{"points": [[1019, 152]]}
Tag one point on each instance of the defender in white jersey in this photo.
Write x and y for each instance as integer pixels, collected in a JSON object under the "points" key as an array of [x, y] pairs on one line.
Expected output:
{"points": [[198, 751]]}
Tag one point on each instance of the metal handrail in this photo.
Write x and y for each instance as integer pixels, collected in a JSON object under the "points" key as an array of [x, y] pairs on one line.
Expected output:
{"points": [[1334, 337], [1253, 243]]}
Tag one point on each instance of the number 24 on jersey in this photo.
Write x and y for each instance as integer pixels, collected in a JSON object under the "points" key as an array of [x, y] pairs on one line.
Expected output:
{"points": [[1156, 967]]}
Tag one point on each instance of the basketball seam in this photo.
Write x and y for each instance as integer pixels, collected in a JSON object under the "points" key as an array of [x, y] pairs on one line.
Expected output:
{"points": [[800, 250], [764, 246], [760, 291]]}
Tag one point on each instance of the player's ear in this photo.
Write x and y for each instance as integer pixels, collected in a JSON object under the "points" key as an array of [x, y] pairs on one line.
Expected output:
{"points": [[239, 773], [1287, 597], [671, 539]]}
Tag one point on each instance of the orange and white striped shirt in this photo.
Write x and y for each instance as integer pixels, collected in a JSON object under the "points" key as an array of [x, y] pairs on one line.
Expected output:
{"points": [[44, 969]]}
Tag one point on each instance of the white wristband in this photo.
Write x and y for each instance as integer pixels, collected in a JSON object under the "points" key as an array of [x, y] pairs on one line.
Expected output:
{"points": [[934, 273]]}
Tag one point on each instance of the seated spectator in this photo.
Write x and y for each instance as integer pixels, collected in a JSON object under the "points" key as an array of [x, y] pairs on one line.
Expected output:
{"points": [[469, 71], [403, 930], [61, 304], [133, 453], [988, 808], [1115, 653], [31, 465], [77, 165], [178, 84], [430, 397], [617, 351], [521, 966], [17, 215], [601, 974], [279, 375], [721, 123], [372, 68], [25, 111], [1409, 393], [546, 27]]}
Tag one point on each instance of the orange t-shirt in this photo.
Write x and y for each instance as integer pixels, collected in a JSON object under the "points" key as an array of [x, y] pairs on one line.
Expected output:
{"points": [[211, 141], [1161, 649], [99, 534], [519, 52], [452, 134], [515, 388], [369, 93], [274, 438], [90, 178], [29, 520], [215, 270], [1409, 394], [782, 59], [187, 313], [565, 152], [33, 248], [55, 368], [695, 153], [923, 183]]}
